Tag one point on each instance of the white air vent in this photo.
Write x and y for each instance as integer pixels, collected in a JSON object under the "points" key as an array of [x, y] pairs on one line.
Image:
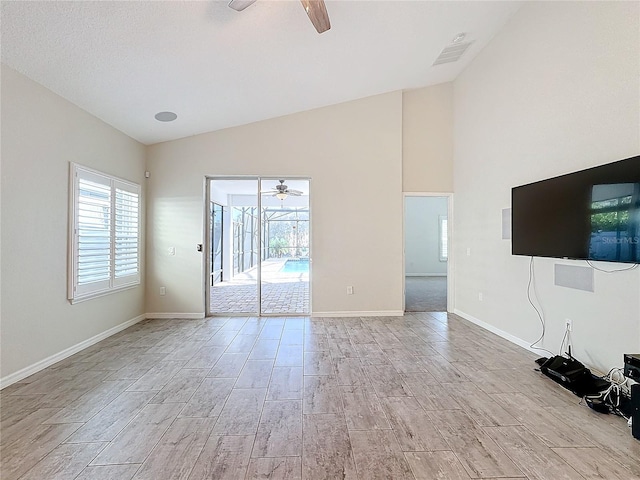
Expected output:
{"points": [[452, 53]]}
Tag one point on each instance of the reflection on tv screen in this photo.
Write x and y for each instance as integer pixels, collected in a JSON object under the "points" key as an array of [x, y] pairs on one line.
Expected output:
{"points": [[614, 222]]}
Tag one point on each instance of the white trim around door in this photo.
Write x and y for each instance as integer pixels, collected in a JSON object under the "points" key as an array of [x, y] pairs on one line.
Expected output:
{"points": [[206, 247], [450, 254]]}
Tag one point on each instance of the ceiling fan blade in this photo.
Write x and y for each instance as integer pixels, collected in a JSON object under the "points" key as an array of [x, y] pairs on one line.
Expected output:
{"points": [[317, 12], [295, 193], [239, 5]]}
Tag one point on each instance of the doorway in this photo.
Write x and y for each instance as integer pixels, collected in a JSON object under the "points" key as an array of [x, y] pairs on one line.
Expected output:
{"points": [[426, 246], [258, 246]]}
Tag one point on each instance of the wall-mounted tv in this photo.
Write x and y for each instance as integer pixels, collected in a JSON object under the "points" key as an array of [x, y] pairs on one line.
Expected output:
{"points": [[593, 214]]}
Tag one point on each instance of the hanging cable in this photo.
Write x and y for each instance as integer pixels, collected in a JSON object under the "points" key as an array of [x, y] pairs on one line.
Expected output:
{"points": [[565, 337], [542, 322], [632, 267]]}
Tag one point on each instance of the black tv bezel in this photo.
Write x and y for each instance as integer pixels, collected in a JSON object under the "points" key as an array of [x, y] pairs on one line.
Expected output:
{"points": [[569, 257]]}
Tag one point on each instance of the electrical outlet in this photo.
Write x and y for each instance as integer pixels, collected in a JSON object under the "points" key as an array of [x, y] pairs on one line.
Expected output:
{"points": [[568, 324], [480, 297], [163, 291], [349, 290], [468, 252], [172, 251]]}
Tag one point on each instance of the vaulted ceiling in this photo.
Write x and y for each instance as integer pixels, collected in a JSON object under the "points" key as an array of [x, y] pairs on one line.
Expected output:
{"points": [[215, 68]]}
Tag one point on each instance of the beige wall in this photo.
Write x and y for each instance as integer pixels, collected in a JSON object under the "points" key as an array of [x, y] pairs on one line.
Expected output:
{"points": [[427, 139], [41, 134], [556, 91], [353, 154]]}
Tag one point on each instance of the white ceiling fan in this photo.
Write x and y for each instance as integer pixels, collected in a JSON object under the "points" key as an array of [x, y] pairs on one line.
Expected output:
{"points": [[282, 191], [316, 10]]}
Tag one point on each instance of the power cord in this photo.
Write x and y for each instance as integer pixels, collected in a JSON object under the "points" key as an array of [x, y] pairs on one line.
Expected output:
{"points": [[540, 316], [634, 266], [609, 399], [567, 335], [566, 338]]}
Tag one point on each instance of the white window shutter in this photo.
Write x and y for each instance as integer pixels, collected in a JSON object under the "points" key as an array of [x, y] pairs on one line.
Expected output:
{"points": [[126, 241], [92, 233], [104, 252]]}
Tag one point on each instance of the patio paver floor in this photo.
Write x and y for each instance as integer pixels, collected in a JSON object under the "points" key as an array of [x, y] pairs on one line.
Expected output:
{"points": [[282, 293]]}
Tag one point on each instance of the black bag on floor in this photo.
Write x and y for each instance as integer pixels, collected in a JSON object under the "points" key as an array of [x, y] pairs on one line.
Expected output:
{"points": [[572, 375]]}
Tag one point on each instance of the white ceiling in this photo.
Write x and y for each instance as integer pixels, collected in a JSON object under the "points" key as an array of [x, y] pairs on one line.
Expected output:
{"points": [[216, 68]]}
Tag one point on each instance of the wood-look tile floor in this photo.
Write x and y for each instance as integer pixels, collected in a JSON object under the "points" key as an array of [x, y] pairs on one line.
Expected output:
{"points": [[424, 396]]}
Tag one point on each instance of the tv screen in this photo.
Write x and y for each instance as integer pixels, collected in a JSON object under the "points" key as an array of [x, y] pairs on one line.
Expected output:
{"points": [[592, 214]]}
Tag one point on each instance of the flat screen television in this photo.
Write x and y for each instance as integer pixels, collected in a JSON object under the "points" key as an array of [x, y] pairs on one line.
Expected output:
{"points": [[593, 214]]}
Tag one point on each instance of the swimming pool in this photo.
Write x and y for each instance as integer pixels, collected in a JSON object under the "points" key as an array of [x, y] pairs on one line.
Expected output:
{"points": [[296, 266]]}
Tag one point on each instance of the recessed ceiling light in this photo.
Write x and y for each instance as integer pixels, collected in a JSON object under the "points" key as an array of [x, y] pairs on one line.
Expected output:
{"points": [[166, 116]]}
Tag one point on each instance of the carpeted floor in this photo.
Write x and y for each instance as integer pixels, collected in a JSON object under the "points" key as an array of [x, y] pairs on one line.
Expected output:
{"points": [[426, 294]]}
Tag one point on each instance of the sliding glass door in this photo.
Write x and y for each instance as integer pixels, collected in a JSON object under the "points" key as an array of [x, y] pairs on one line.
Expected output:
{"points": [[233, 254], [217, 231], [285, 247], [258, 234]]}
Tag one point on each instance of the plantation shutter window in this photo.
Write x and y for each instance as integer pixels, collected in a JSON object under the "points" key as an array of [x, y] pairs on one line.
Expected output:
{"points": [[104, 253], [93, 234], [126, 234]]}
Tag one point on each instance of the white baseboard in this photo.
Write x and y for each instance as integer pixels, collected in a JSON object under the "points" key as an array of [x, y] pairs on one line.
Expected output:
{"points": [[501, 333], [377, 313], [186, 316], [425, 274], [67, 352]]}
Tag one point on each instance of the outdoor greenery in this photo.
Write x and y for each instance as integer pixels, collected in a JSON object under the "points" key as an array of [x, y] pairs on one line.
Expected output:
{"points": [[614, 215], [287, 232], [277, 247]]}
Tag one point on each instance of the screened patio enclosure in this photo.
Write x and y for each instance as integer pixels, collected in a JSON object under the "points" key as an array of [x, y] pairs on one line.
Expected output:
{"points": [[259, 248]]}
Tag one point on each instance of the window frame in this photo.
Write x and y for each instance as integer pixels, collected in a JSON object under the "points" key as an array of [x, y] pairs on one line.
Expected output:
{"points": [[443, 238], [76, 292]]}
